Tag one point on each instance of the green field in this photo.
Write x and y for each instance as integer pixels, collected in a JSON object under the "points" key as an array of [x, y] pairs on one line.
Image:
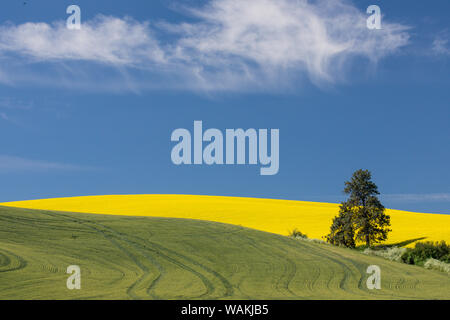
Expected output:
{"points": [[159, 258]]}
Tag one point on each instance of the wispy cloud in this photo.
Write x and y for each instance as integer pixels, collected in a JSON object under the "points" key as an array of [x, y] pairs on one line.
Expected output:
{"points": [[232, 45], [427, 197], [17, 164], [104, 39], [15, 104], [441, 45], [9, 107]]}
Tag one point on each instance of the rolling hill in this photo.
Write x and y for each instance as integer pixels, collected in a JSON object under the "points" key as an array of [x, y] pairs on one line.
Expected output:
{"points": [[276, 216], [128, 257]]}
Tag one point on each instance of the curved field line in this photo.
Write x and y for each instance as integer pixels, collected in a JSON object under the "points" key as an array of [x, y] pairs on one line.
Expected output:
{"points": [[143, 249], [22, 263], [124, 237], [330, 256], [290, 268], [144, 269], [360, 288], [210, 287]]}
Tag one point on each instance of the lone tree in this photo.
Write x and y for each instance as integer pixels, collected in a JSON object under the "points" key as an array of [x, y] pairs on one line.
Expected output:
{"points": [[362, 217]]}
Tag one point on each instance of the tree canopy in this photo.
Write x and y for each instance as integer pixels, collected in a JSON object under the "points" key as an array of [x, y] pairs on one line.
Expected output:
{"points": [[361, 217]]}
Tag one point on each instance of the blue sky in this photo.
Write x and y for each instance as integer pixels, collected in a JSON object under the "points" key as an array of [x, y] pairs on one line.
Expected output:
{"points": [[92, 112]]}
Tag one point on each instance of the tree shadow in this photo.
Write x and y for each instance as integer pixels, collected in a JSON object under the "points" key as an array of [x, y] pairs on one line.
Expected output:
{"points": [[398, 244], [391, 245]]}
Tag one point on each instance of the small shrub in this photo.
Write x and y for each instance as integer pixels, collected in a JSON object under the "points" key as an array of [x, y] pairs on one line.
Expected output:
{"points": [[408, 257], [446, 258], [426, 250], [437, 265], [298, 234], [392, 254], [315, 240]]}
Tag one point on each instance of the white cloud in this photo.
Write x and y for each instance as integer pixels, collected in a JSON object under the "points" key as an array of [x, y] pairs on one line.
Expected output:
{"points": [[232, 44], [441, 45], [284, 35], [15, 164], [106, 40]]}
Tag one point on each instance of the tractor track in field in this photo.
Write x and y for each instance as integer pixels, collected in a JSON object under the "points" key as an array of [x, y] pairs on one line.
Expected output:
{"points": [[113, 233], [347, 272], [251, 242], [5, 261], [143, 249], [144, 269], [311, 285], [125, 237], [131, 256], [21, 262], [41, 223], [160, 251], [329, 255], [290, 268]]}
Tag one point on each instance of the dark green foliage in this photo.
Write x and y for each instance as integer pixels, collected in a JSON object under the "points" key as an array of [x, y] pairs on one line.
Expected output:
{"points": [[297, 234], [362, 217], [342, 232], [425, 250]]}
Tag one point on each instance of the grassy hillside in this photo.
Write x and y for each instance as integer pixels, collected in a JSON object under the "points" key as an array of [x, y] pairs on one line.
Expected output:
{"points": [[124, 257], [277, 216]]}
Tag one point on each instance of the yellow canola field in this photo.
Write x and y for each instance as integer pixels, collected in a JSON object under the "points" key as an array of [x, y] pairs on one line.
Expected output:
{"points": [[276, 216]]}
